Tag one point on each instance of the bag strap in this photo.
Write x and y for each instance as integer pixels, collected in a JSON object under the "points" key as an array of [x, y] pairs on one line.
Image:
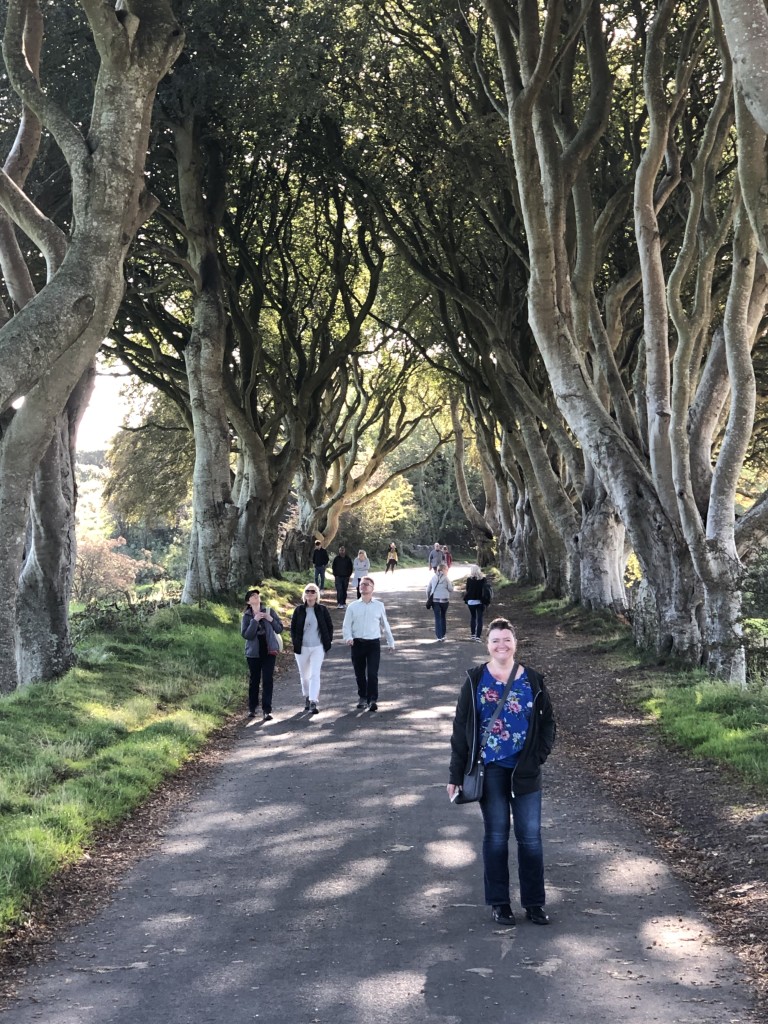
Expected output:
{"points": [[499, 708]]}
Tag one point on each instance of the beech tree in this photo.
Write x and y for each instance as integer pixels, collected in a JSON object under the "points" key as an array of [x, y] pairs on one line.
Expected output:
{"points": [[48, 345], [361, 442]]}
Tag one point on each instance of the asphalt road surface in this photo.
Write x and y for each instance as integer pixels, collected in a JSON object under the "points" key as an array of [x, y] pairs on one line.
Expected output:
{"points": [[323, 876]]}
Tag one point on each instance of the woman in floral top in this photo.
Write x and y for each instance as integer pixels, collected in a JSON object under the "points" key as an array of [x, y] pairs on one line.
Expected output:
{"points": [[519, 743]]}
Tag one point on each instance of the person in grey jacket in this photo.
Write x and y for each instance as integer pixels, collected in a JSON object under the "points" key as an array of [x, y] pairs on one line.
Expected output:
{"points": [[439, 589], [259, 627], [519, 743]]}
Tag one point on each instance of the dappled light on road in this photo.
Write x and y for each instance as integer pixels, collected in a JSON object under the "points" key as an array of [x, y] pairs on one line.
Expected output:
{"points": [[324, 878]]}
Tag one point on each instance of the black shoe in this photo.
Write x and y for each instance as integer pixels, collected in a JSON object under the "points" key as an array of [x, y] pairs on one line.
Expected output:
{"points": [[267, 716], [373, 706], [361, 705], [503, 914], [537, 915], [306, 704], [314, 709], [251, 714]]}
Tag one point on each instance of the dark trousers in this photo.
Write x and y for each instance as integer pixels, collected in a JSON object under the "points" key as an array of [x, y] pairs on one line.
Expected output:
{"points": [[391, 564], [320, 576], [260, 669], [440, 609], [366, 657], [342, 583], [476, 619], [496, 805]]}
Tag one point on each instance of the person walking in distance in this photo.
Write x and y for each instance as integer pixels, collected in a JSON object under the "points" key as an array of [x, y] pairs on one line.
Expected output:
{"points": [[364, 623], [519, 742], [342, 570], [477, 597], [439, 589], [391, 559], [361, 567], [435, 557], [311, 636], [319, 563]]}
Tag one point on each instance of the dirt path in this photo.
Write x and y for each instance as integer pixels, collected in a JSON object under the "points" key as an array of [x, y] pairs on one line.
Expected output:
{"points": [[319, 874]]}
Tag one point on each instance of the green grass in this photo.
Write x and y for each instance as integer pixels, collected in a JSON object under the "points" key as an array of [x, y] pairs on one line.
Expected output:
{"points": [[715, 720], [711, 719], [82, 752]]}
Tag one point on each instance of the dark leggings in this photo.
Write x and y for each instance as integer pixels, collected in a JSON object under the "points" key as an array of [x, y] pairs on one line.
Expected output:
{"points": [[260, 669]]}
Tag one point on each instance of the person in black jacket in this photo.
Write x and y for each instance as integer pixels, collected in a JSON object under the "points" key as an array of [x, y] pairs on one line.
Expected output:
{"points": [[519, 743], [342, 570], [477, 597], [311, 636], [319, 563]]}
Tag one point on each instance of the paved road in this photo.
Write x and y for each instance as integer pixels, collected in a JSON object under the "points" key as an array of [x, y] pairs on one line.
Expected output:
{"points": [[324, 877]]}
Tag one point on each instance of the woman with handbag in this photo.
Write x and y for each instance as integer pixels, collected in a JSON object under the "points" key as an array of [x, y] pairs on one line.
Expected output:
{"points": [[311, 636], [260, 627], [439, 590], [503, 732]]}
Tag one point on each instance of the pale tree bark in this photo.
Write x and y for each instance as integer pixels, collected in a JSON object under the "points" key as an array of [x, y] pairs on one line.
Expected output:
{"points": [[44, 644], [655, 536], [352, 454], [602, 545], [214, 514], [50, 343], [482, 534], [746, 29]]}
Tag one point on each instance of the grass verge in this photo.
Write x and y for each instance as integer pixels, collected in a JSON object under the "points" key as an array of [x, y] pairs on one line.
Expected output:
{"points": [[711, 719], [82, 752]]}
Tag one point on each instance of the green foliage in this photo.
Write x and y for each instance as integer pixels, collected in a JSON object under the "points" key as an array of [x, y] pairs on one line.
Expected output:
{"points": [[715, 720], [84, 751], [150, 465], [438, 514], [373, 524]]}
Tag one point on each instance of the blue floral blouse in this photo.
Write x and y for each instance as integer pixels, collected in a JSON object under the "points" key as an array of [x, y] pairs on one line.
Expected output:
{"points": [[511, 727]]}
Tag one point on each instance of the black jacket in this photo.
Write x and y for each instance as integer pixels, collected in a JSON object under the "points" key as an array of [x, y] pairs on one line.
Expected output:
{"points": [[324, 626], [526, 776], [475, 589], [342, 566], [319, 557]]}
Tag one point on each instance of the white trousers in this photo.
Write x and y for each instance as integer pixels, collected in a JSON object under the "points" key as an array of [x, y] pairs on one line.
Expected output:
{"points": [[310, 661]]}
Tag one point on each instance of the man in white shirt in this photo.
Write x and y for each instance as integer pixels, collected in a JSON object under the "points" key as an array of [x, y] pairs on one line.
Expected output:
{"points": [[364, 622]]}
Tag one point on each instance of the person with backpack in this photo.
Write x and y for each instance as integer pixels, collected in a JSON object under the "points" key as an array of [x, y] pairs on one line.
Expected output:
{"points": [[478, 594]]}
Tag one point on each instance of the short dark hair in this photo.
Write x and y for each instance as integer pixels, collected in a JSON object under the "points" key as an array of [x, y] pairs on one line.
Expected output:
{"points": [[253, 590], [502, 623], [317, 543]]}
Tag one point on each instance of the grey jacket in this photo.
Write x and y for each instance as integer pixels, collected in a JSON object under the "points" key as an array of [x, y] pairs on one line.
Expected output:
{"points": [[252, 630], [440, 587]]}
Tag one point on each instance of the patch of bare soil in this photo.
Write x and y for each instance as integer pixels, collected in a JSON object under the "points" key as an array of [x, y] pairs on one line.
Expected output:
{"points": [[710, 826]]}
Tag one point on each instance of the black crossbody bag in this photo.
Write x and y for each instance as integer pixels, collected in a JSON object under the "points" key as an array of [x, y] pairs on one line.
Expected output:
{"points": [[472, 784]]}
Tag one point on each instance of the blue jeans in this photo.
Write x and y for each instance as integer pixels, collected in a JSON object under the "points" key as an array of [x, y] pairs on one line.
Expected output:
{"points": [[476, 619], [440, 608], [320, 576], [526, 813]]}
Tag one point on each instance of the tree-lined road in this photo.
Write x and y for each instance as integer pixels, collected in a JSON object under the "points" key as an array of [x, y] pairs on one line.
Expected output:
{"points": [[323, 876]]}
